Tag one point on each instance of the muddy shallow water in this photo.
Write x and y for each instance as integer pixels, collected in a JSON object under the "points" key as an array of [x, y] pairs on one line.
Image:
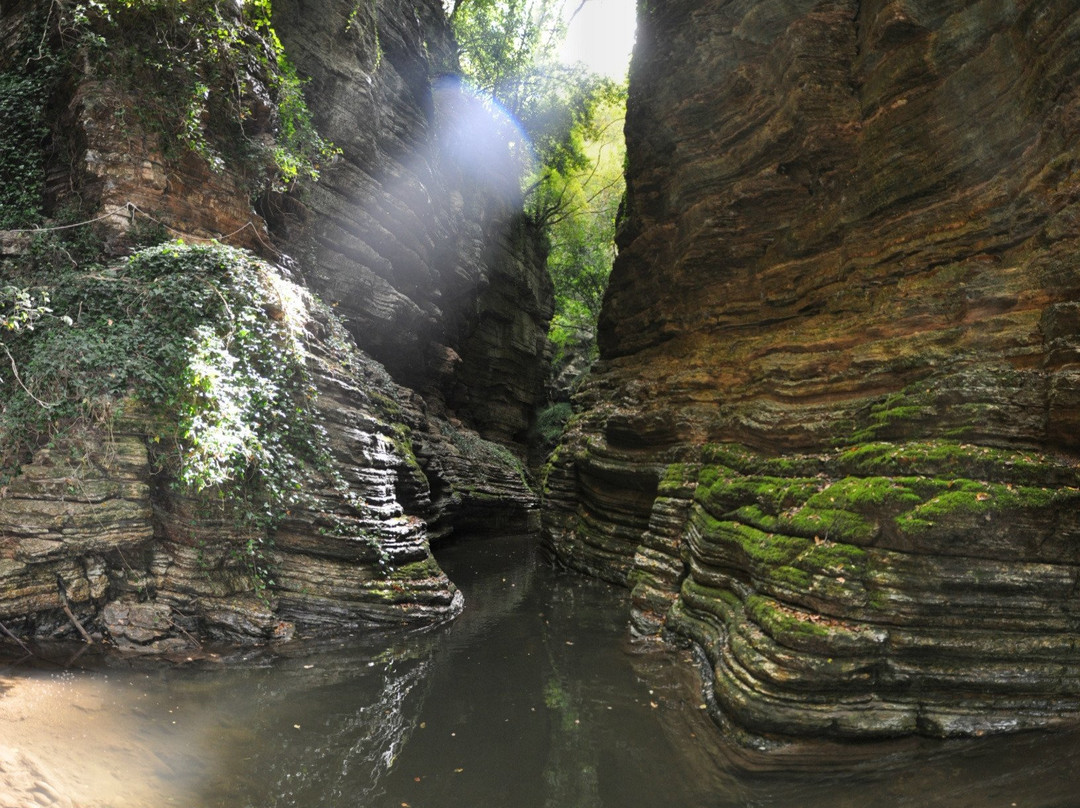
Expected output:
{"points": [[533, 697]]}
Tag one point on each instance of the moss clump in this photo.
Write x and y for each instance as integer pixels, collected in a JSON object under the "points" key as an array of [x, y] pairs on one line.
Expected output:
{"points": [[949, 459], [892, 416], [868, 494], [759, 547], [780, 623], [747, 461], [833, 524], [963, 499], [722, 489], [895, 487], [719, 602], [835, 558], [416, 570], [678, 478], [796, 506], [787, 560]]}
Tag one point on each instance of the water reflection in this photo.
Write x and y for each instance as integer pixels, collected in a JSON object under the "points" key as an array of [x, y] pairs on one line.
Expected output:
{"points": [[533, 697], [316, 740]]}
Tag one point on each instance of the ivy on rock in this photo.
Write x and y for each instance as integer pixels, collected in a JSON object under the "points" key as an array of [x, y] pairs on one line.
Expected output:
{"points": [[200, 344]]}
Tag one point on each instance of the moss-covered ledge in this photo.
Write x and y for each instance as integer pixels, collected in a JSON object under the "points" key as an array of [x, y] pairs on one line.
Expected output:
{"points": [[882, 589]]}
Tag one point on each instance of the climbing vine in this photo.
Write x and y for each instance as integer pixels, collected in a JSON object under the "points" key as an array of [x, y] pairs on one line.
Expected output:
{"points": [[226, 72], [22, 130], [197, 340], [28, 73]]}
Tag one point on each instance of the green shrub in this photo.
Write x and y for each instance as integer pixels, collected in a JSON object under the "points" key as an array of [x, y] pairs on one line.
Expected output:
{"points": [[184, 331]]}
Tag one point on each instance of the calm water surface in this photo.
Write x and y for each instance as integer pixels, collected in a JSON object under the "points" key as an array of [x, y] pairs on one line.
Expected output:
{"points": [[533, 697]]}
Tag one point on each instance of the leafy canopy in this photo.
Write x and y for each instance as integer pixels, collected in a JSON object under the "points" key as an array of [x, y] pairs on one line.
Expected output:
{"points": [[509, 49], [581, 209]]}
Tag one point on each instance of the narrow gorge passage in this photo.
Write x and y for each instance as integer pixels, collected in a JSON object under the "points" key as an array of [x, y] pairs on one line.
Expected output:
{"points": [[533, 697], [817, 441]]}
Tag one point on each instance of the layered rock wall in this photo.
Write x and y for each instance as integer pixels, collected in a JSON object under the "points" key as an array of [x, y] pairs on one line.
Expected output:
{"points": [[416, 233], [440, 285], [832, 436], [98, 534]]}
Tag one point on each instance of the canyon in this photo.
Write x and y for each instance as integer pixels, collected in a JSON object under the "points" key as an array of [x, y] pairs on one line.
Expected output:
{"points": [[830, 443]]}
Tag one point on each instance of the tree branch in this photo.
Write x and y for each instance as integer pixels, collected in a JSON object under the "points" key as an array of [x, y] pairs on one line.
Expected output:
{"points": [[577, 10], [15, 371]]}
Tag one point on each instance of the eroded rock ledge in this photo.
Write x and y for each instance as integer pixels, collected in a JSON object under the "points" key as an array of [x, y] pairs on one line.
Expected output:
{"points": [[441, 289], [97, 531], [832, 438]]}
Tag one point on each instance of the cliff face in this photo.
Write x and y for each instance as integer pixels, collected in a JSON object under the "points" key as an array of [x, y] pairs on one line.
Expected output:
{"points": [[416, 235], [833, 434], [98, 523], [442, 291]]}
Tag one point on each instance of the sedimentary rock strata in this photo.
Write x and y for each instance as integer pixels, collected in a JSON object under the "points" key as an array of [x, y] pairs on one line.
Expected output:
{"points": [[849, 267], [98, 526], [415, 234], [426, 265]]}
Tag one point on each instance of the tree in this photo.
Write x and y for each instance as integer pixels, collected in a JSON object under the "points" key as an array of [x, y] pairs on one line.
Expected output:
{"points": [[582, 207], [509, 50]]}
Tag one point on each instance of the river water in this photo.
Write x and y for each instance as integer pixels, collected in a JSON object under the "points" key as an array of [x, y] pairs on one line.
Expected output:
{"points": [[533, 698]]}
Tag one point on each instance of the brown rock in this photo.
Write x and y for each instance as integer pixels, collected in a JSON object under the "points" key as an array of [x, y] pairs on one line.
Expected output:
{"points": [[847, 224]]}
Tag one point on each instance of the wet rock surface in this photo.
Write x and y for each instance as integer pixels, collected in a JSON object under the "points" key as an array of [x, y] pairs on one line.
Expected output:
{"points": [[848, 267]]}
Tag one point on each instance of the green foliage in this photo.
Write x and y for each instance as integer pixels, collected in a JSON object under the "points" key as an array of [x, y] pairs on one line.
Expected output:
{"points": [[208, 69], [21, 309], [509, 49], [22, 130], [204, 76], [26, 83], [582, 208], [184, 334], [550, 421]]}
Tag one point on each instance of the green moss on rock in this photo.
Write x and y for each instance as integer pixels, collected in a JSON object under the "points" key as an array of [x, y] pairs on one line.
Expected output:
{"points": [[783, 625]]}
